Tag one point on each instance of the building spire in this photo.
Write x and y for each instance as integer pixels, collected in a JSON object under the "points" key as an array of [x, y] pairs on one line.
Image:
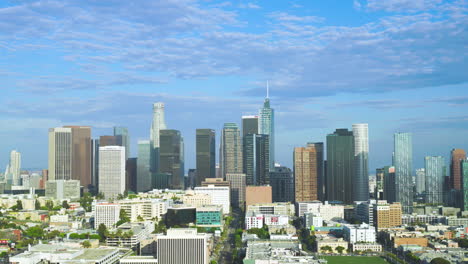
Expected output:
{"points": [[268, 90]]}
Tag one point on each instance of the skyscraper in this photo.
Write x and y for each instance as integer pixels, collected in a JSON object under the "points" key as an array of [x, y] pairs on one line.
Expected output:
{"points": [[131, 174], [112, 171], [106, 141], [13, 171], [95, 164], [238, 184], [321, 180], [266, 126], [249, 125], [122, 132], [457, 155], [403, 161], [389, 184], [230, 150], [171, 157], [81, 155], [256, 159], [282, 184], [143, 166], [464, 174], [340, 166], [435, 174], [305, 174], [206, 151], [420, 180], [361, 156], [60, 153], [157, 125]]}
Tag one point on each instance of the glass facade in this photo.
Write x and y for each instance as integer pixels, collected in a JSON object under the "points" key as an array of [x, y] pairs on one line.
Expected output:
{"points": [[464, 174], [403, 161], [171, 157], [125, 139], [282, 184], [143, 166], [209, 217], [434, 179], [256, 159], [206, 151], [266, 126], [231, 150], [361, 159]]}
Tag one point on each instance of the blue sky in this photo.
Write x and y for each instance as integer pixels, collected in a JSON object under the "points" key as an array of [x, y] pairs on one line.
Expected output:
{"points": [[399, 65]]}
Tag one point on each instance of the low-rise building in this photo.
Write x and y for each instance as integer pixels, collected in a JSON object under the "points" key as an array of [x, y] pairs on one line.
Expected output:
{"points": [[138, 260], [253, 220], [107, 214], [272, 208], [209, 216], [129, 235], [330, 244], [359, 233], [374, 247]]}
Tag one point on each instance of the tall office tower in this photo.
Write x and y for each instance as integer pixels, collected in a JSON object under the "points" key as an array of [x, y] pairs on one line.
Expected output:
{"points": [[379, 188], [143, 166], [171, 154], [111, 171], [361, 165], [206, 151], [305, 174], [457, 155], [464, 174], [321, 179], [60, 153], [158, 124], [105, 141], [131, 174], [183, 246], [282, 184], [256, 160], [340, 166], [95, 164], [122, 132], [403, 160], [249, 125], [13, 171], [420, 180], [266, 126], [230, 153], [389, 184], [192, 178], [81, 154], [238, 183], [435, 174]]}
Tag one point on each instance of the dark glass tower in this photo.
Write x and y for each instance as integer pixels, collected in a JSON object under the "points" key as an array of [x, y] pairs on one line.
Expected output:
{"points": [[122, 132], [340, 166], [171, 157], [282, 184], [249, 125], [256, 159], [206, 151]]}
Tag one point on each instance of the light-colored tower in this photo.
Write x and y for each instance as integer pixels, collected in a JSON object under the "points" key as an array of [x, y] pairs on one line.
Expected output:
{"points": [[361, 158], [112, 171], [266, 126], [403, 161], [183, 246], [231, 150], [60, 153], [158, 124], [420, 180], [14, 168], [434, 179]]}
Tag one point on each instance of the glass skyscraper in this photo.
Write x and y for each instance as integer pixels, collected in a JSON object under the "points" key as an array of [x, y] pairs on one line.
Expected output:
{"points": [[420, 180], [282, 184], [464, 175], [361, 157], [249, 125], [206, 151], [266, 126], [143, 166], [125, 138], [403, 161], [158, 124], [256, 160], [434, 180], [230, 153], [171, 157]]}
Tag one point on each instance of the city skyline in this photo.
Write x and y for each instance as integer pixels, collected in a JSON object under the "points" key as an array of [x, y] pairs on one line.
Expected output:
{"points": [[105, 86]]}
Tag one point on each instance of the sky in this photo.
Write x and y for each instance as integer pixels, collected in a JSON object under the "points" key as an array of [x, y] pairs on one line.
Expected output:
{"points": [[398, 65]]}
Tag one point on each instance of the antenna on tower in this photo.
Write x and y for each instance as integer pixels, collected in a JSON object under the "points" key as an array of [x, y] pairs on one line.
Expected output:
{"points": [[268, 90]]}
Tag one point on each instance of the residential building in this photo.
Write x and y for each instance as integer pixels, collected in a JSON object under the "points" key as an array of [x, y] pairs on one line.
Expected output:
{"points": [[435, 174], [361, 159], [148, 209], [266, 126], [132, 235], [206, 151], [238, 185], [230, 153], [282, 184], [313, 220], [143, 166], [254, 220], [272, 208], [193, 245], [258, 195], [340, 166], [111, 171], [219, 196], [457, 156], [196, 199], [403, 161], [107, 214], [171, 157]]}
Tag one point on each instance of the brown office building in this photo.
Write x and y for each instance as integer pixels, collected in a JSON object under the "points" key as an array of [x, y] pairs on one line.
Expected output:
{"points": [[387, 215], [258, 195], [218, 182], [105, 141], [457, 155], [81, 154], [306, 172]]}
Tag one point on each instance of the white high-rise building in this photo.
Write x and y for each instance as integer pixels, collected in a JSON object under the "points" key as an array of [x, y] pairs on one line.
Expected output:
{"points": [[158, 124], [13, 171], [361, 158], [183, 246], [219, 196], [107, 214], [60, 153], [111, 171], [420, 180], [266, 126]]}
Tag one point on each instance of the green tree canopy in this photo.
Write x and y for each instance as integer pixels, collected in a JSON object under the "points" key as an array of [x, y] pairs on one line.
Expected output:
{"points": [[65, 204], [34, 232], [439, 261]]}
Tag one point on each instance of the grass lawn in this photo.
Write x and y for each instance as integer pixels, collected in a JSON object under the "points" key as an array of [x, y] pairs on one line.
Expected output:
{"points": [[354, 260]]}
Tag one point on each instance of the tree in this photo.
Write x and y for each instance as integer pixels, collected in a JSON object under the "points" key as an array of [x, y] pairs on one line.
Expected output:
{"points": [[49, 205], [86, 244], [123, 217], [140, 219], [160, 227], [340, 249], [326, 248], [37, 205], [100, 196], [439, 261], [86, 201], [34, 232], [18, 206], [102, 231], [463, 243], [65, 204]]}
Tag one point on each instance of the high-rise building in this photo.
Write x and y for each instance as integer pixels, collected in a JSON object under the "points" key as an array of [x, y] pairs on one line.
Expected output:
{"points": [[206, 151], [434, 169], [122, 132], [389, 184], [192, 178], [282, 184], [321, 179], [340, 166], [457, 155], [60, 153], [230, 150], [464, 174], [361, 159], [266, 126], [105, 141], [95, 164], [420, 181], [256, 159], [249, 125], [306, 174], [238, 184], [143, 166], [81, 155], [183, 246], [111, 171], [131, 174], [158, 124], [403, 161], [171, 157], [379, 188], [387, 215], [258, 195], [13, 171]]}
